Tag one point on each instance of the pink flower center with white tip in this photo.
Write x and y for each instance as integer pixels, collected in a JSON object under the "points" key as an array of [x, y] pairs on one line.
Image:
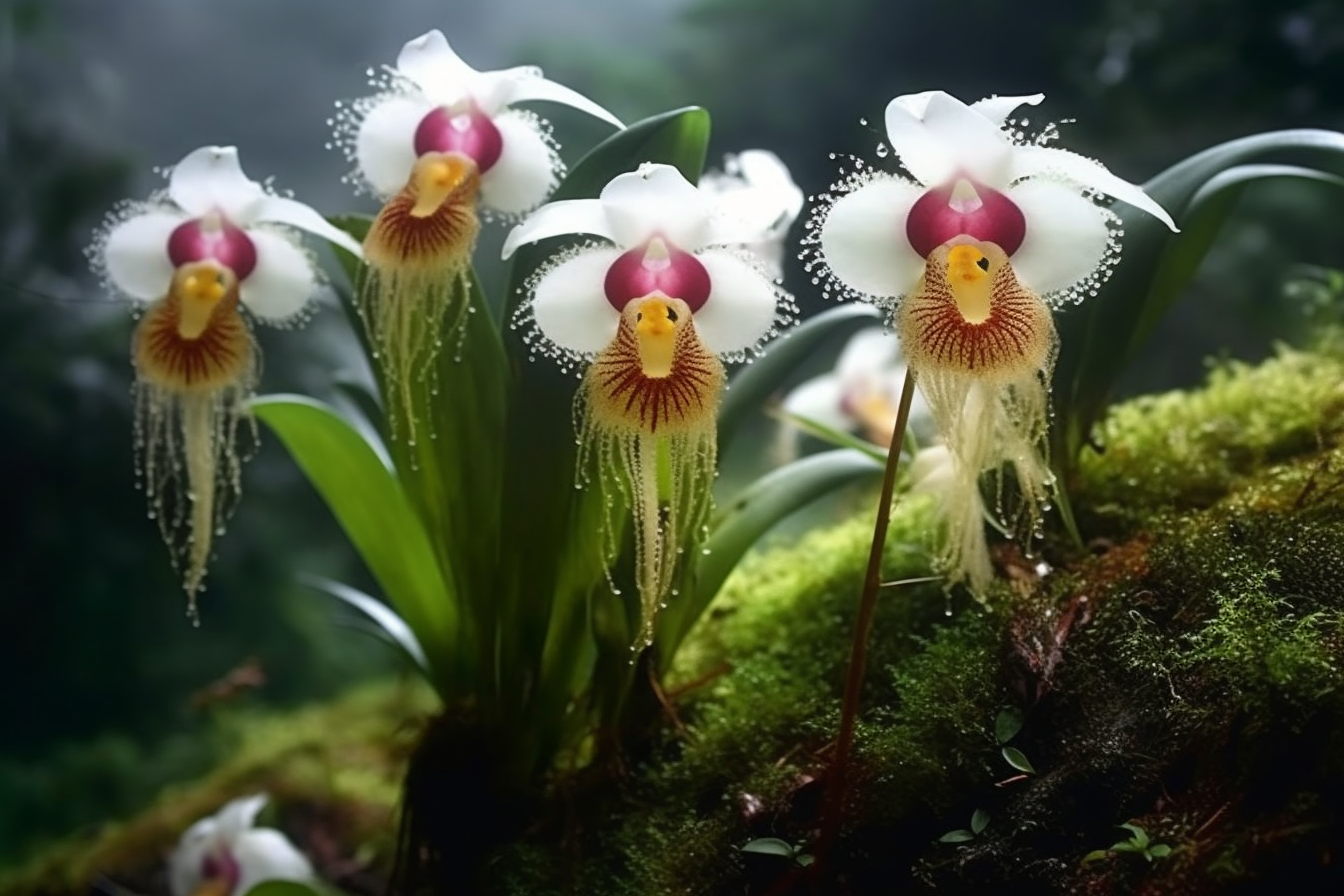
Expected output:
{"points": [[657, 267], [212, 237], [221, 869], [963, 208], [471, 133]]}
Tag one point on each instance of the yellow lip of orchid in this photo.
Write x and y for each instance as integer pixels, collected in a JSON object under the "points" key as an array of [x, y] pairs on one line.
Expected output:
{"points": [[656, 336], [199, 288], [435, 177], [968, 275]]}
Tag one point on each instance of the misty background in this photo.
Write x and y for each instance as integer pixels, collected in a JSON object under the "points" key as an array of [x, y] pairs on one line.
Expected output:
{"points": [[99, 661]]}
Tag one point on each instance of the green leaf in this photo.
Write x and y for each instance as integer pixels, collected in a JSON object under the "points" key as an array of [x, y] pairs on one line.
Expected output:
{"points": [[804, 860], [836, 437], [1159, 851], [751, 387], [1101, 337], [958, 836], [1018, 760], [384, 616], [979, 820], [1007, 724], [745, 519], [1096, 855], [769, 846], [1137, 834], [292, 888], [369, 503]]}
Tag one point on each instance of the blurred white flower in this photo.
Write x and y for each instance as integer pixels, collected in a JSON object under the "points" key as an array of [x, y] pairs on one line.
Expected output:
{"points": [[224, 855], [863, 392], [755, 186]]}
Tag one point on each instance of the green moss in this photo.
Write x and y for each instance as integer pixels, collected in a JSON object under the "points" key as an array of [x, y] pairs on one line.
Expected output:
{"points": [[1186, 450], [346, 756]]}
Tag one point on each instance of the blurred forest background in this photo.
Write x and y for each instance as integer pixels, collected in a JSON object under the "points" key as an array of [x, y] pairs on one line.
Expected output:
{"points": [[105, 695]]}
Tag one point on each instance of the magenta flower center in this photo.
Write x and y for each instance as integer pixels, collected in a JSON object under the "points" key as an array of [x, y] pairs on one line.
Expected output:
{"points": [[213, 237], [657, 267], [962, 208], [471, 133], [221, 866]]}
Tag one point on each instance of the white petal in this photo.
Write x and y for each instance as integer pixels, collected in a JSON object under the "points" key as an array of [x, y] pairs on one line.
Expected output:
{"points": [[1032, 160], [740, 308], [527, 84], [1066, 235], [820, 399], [972, 142], [863, 238], [524, 174], [136, 254], [757, 190], [570, 305], [568, 216], [998, 108], [385, 144], [435, 68], [239, 815], [282, 282], [920, 151], [184, 865], [294, 213], [265, 854], [212, 178], [657, 199], [868, 352]]}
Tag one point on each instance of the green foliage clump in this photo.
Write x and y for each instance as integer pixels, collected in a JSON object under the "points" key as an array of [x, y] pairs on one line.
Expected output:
{"points": [[1186, 450]]}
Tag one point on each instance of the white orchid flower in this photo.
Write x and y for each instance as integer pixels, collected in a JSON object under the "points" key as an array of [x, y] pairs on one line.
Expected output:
{"points": [[438, 141], [212, 243], [755, 186], [863, 392], [224, 855], [667, 240], [656, 310], [212, 212], [975, 176], [435, 102]]}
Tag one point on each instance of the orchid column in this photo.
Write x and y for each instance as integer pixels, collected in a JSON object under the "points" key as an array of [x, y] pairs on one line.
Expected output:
{"points": [[436, 141], [197, 254], [970, 253], [654, 312]]}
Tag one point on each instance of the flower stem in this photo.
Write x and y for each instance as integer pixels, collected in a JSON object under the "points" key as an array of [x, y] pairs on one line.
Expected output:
{"points": [[833, 806]]}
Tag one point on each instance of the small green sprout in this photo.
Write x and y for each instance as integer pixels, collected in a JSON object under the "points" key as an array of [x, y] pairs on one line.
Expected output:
{"points": [[773, 846], [979, 821], [1007, 724], [1137, 842]]}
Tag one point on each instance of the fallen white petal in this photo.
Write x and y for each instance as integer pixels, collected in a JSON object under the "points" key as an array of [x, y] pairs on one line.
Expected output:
{"points": [[568, 216], [741, 306], [281, 210], [136, 254], [570, 305], [211, 178], [998, 108], [863, 238], [265, 854], [385, 144], [1034, 160], [1066, 235], [436, 68], [820, 399], [523, 176], [283, 280]]}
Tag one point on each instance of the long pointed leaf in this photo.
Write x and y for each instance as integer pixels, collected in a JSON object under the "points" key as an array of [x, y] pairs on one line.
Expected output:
{"points": [[392, 625], [369, 503]]}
